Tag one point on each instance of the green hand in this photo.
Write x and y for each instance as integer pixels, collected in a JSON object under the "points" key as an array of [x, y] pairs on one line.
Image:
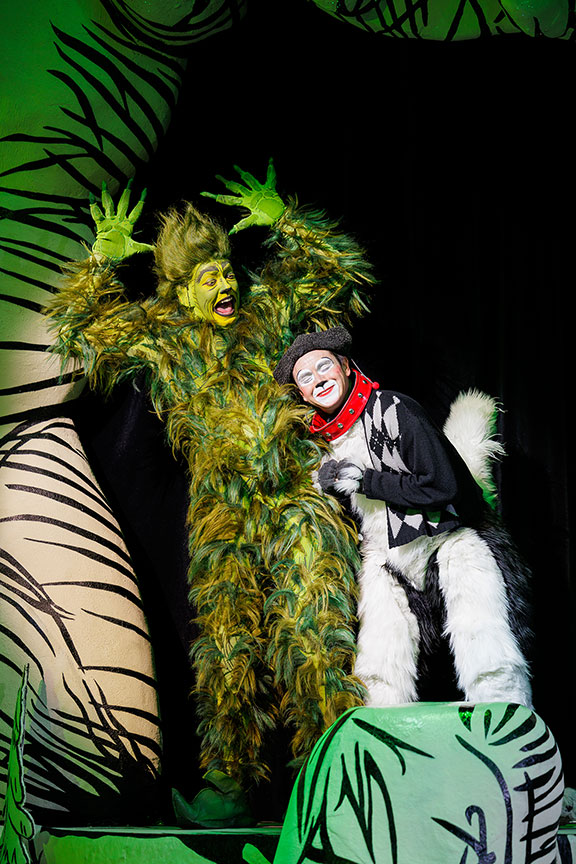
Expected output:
{"points": [[261, 199], [114, 230]]}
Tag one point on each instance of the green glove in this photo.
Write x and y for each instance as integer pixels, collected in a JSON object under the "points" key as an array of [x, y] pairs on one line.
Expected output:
{"points": [[114, 230], [261, 199]]}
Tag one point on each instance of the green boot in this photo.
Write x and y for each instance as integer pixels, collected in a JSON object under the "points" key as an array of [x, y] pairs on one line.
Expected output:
{"points": [[222, 804]]}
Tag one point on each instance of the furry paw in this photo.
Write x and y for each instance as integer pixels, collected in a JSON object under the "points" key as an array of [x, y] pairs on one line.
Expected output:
{"points": [[349, 478], [381, 694], [327, 475]]}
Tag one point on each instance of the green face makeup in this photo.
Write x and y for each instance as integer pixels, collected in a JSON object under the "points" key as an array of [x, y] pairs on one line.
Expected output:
{"points": [[213, 293]]}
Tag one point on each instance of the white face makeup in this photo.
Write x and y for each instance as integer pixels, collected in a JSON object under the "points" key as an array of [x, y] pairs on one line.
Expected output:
{"points": [[322, 380]]}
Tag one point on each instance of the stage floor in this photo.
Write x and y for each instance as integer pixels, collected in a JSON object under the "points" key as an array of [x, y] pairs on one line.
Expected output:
{"points": [[161, 845], [167, 845]]}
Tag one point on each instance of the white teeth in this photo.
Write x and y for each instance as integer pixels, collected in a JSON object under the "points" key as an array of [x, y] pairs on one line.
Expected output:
{"points": [[224, 306]]}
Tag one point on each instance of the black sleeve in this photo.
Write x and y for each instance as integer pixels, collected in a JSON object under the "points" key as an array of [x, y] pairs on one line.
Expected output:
{"points": [[431, 482]]}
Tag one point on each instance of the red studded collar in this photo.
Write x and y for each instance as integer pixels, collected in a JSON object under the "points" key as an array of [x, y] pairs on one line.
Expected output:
{"points": [[349, 413]]}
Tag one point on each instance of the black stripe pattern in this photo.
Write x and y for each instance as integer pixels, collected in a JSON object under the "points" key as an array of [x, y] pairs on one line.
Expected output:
{"points": [[464, 19], [71, 609], [431, 782], [91, 99]]}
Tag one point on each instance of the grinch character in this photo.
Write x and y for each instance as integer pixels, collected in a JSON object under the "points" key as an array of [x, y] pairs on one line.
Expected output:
{"points": [[427, 529], [272, 563]]}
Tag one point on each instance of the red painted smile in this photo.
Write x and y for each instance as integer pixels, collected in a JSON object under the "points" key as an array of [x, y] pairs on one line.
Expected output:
{"points": [[326, 392]]}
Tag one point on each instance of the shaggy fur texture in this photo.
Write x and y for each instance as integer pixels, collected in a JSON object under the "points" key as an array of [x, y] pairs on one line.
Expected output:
{"points": [[481, 596], [471, 427], [489, 663], [272, 562], [186, 238]]}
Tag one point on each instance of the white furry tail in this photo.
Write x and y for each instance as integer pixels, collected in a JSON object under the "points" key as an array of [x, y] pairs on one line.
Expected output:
{"points": [[471, 427]]}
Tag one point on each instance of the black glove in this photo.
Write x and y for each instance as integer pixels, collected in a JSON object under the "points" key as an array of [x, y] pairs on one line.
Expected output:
{"points": [[339, 477]]}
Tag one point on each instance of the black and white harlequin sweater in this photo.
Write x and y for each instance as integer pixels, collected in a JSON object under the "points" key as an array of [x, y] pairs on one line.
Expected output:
{"points": [[407, 460]]}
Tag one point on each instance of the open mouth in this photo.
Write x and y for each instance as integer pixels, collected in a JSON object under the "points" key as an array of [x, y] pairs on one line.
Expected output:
{"points": [[225, 307]]}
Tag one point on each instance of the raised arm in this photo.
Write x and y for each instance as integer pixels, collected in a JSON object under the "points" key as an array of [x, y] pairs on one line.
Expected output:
{"points": [[92, 319], [318, 272]]}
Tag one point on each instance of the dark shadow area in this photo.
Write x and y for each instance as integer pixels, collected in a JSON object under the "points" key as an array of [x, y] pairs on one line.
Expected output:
{"points": [[452, 164]]}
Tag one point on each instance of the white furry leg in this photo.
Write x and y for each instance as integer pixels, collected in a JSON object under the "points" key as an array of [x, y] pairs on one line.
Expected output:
{"points": [[489, 663], [388, 637]]}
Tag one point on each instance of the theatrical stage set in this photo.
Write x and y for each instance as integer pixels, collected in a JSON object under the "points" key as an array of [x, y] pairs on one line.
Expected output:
{"points": [[264, 596]]}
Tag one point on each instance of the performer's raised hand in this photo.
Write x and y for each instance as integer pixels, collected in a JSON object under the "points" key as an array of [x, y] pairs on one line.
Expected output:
{"points": [[114, 229], [261, 199]]}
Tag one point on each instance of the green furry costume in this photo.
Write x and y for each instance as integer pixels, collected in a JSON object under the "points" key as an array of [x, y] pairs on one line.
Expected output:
{"points": [[272, 563]]}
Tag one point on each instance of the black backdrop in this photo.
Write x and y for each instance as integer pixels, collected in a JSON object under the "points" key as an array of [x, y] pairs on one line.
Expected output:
{"points": [[453, 164]]}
